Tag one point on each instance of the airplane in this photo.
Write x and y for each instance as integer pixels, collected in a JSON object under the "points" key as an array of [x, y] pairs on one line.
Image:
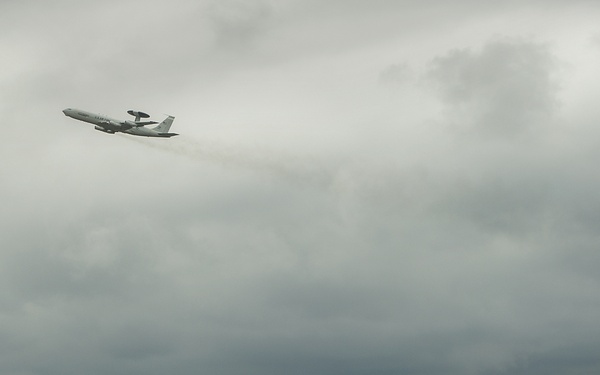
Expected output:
{"points": [[111, 126]]}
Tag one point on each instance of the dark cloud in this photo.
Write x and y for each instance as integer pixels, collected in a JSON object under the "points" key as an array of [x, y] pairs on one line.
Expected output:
{"points": [[506, 89], [237, 23]]}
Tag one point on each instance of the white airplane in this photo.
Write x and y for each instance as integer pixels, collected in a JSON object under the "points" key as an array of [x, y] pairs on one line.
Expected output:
{"points": [[112, 126]]}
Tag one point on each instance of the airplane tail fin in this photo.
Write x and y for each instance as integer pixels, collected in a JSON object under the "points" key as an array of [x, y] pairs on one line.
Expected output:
{"points": [[164, 126]]}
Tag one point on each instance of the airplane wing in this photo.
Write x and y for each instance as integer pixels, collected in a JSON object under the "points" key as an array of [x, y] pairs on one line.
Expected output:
{"points": [[108, 125], [125, 125], [142, 123]]}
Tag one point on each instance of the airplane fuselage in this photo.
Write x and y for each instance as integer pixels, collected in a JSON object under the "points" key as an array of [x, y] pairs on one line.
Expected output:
{"points": [[110, 125]]}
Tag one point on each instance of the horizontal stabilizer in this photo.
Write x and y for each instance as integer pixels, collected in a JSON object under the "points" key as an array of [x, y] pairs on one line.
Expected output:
{"points": [[167, 135]]}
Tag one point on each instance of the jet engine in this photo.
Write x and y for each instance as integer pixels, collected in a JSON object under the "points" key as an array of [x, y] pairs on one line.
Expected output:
{"points": [[104, 130]]}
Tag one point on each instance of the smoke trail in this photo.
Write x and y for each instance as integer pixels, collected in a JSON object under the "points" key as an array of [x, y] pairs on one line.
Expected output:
{"points": [[358, 187], [295, 169]]}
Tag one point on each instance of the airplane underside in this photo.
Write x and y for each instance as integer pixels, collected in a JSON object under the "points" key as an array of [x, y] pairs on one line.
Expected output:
{"points": [[159, 135]]}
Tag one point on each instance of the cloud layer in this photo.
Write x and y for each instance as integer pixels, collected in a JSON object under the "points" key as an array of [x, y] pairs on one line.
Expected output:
{"points": [[382, 187]]}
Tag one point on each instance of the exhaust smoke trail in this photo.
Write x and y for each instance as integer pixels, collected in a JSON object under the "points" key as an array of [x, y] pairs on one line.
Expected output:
{"points": [[306, 171]]}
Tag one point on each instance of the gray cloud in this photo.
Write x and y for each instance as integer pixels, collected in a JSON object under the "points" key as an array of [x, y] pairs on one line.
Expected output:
{"points": [[396, 74], [508, 88], [237, 23], [308, 218]]}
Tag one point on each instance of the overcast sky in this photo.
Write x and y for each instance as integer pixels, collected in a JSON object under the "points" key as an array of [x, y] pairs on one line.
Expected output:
{"points": [[359, 187]]}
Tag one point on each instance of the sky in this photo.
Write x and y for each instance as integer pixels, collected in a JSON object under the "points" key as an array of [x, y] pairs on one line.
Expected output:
{"points": [[359, 187]]}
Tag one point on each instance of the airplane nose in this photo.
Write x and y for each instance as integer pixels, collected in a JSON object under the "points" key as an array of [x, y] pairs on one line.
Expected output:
{"points": [[65, 112]]}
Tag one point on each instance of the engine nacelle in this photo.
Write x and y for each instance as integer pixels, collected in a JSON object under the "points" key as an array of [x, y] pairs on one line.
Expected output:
{"points": [[104, 130]]}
